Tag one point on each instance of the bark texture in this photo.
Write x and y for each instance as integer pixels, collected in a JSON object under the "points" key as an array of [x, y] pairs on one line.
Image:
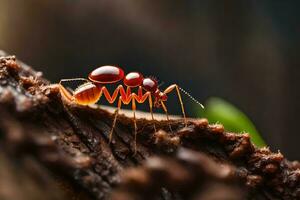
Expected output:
{"points": [[51, 149]]}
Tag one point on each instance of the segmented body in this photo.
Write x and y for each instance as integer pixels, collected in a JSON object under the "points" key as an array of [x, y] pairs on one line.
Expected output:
{"points": [[95, 87]]}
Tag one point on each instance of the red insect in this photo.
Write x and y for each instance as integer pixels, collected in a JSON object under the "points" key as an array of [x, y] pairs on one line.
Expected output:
{"points": [[91, 91]]}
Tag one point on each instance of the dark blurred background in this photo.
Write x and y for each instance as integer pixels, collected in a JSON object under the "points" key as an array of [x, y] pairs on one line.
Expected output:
{"points": [[246, 52]]}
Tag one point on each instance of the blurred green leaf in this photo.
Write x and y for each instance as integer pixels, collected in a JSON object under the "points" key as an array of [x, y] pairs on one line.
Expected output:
{"points": [[218, 110]]}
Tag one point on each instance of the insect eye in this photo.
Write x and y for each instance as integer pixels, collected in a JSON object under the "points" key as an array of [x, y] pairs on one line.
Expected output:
{"points": [[150, 84]]}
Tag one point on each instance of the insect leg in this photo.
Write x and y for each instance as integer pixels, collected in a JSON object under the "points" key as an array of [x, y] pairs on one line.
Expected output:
{"points": [[168, 90], [134, 121], [151, 111], [73, 79], [64, 92], [111, 99], [167, 114], [115, 119], [142, 98], [122, 98]]}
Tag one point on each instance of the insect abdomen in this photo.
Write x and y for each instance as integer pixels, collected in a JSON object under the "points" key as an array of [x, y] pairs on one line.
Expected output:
{"points": [[87, 94]]}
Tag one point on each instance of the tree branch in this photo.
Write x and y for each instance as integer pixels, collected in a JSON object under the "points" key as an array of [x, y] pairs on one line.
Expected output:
{"points": [[60, 150]]}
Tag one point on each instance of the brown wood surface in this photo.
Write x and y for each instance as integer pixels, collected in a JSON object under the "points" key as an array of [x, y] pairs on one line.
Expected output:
{"points": [[52, 149]]}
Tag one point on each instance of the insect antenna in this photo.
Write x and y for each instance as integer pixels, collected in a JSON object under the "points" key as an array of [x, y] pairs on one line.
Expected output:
{"points": [[73, 79], [191, 97]]}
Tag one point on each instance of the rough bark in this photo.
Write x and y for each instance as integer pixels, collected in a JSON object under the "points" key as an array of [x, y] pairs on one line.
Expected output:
{"points": [[52, 149]]}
